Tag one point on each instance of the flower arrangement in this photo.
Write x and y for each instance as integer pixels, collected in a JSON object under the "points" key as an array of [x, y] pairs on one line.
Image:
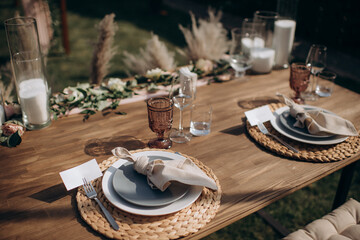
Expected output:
{"points": [[153, 78], [219, 71], [11, 132]]}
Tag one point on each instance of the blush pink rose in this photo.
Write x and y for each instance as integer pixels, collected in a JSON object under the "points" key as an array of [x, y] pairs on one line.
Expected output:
{"points": [[11, 128]]}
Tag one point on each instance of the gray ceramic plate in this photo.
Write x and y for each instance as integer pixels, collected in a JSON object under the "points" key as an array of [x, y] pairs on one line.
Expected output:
{"points": [[134, 188], [119, 202], [288, 121], [301, 138]]}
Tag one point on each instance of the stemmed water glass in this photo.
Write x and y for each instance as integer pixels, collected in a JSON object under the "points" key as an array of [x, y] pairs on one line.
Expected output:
{"points": [[160, 116], [240, 58], [316, 59], [181, 100]]}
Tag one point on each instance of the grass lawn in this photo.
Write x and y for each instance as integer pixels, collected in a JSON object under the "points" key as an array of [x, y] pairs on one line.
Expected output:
{"points": [[136, 21]]}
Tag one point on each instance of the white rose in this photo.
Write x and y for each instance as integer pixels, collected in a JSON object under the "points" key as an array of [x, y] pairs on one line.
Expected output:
{"points": [[154, 74], [115, 84], [204, 65]]}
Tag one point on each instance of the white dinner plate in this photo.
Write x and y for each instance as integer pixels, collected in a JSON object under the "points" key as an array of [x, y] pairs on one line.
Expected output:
{"points": [[107, 185], [288, 121], [276, 123]]}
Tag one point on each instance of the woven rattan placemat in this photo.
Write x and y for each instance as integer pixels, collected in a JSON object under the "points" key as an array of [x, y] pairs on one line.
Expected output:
{"points": [[308, 152], [188, 220]]}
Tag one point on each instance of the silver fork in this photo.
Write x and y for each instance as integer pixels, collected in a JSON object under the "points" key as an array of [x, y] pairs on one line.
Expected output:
{"points": [[264, 130], [91, 193]]}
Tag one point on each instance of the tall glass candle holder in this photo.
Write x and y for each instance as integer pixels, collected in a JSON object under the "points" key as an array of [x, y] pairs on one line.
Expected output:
{"points": [[268, 18], [254, 42], [29, 71], [264, 57], [284, 32]]}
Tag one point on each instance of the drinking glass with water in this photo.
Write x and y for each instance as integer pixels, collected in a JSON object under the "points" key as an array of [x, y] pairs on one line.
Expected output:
{"points": [[200, 119], [325, 84]]}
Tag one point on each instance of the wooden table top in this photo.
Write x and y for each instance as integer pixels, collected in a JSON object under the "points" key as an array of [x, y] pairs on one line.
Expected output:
{"points": [[34, 202]]}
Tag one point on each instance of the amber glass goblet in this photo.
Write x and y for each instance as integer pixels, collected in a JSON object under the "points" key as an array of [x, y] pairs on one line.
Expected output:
{"points": [[299, 80], [160, 116]]}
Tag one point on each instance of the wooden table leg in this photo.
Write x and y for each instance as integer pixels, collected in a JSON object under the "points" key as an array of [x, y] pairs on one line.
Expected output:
{"points": [[273, 223], [344, 185]]}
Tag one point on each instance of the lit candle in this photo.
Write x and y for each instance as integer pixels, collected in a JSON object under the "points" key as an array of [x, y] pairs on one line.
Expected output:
{"points": [[263, 59], [283, 41], [34, 100]]}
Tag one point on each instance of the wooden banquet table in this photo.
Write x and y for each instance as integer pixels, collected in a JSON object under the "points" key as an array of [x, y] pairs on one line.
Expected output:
{"points": [[34, 204]]}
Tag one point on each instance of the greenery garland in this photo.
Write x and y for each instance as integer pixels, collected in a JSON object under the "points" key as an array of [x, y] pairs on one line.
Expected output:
{"points": [[90, 98]]}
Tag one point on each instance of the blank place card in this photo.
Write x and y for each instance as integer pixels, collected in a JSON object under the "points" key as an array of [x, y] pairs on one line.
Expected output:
{"points": [[261, 114], [73, 177]]}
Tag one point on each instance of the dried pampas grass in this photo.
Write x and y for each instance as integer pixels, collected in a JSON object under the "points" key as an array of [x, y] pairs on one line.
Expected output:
{"points": [[103, 51], [208, 40], [155, 55]]}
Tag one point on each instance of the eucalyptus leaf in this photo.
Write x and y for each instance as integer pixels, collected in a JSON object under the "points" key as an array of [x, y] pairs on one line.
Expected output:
{"points": [[121, 113], [115, 104], [75, 104], [14, 140], [82, 91], [102, 87], [88, 112], [3, 139], [152, 87], [55, 117], [86, 105], [102, 105]]}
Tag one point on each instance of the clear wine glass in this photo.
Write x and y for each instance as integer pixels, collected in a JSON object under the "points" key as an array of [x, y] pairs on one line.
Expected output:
{"points": [[182, 100], [240, 58], [316, 59]]}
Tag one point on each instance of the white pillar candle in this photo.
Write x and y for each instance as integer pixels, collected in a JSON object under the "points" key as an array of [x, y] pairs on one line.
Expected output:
{"points": [[283, 41], [263, 59], [34, 100], [2, 115]]}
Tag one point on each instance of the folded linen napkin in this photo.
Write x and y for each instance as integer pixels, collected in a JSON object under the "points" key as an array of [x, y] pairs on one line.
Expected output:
{"points": [[160, 173], [319, 122]]}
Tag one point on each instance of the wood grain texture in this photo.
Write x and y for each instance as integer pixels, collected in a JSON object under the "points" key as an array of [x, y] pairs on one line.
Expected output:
{"points": [[35, 205]]}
